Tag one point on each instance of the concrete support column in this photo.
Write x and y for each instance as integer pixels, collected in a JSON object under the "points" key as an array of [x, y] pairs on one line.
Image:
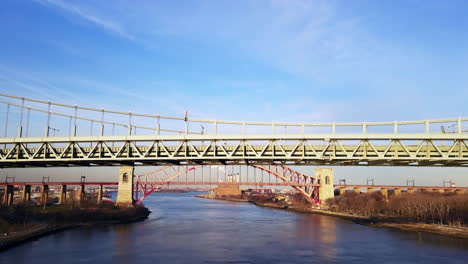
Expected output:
{"points": [[44, 194], [63, 194], [459, 191], [397, 191], [99, 194], [410, 190], [384, 192], [438, 190], [342, 190], [26, 195], [8, 195], [125, 191], [357, 190], [81, 193], [369, 190], [449, 190]]}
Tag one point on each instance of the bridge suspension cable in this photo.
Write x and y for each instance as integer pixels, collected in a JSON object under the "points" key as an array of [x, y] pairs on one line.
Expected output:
{"points": [[333, 125], [75, 117]]}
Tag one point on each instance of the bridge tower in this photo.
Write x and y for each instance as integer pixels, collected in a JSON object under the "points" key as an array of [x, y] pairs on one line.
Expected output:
{"points": [[125, 191], [326, 187]]}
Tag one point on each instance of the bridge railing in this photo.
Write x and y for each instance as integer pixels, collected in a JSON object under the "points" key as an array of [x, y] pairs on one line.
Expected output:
{"points": [[18, 115]]}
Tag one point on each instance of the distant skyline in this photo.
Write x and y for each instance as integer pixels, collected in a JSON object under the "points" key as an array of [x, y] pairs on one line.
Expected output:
{"points": [[313, 61]]}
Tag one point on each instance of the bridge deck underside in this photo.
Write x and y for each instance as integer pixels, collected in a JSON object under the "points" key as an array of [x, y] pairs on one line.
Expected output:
{"points": [[398, 152]]}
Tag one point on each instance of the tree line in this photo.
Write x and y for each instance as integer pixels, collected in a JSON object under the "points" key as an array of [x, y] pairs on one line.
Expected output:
{"points": [[431, 208]]}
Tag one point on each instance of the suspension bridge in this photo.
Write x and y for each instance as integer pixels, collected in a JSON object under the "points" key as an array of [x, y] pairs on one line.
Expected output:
{"points": [[41, 133]]}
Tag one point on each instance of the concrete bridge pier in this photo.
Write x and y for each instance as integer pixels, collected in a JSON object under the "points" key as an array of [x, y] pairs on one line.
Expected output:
{"points": [[384, 192], [410, 190], [125, 191], [342, 190], [369, 190], [459, 191], [99, 194], [63, 194], [26, 195], [8, 195], [44, 194], [397, 191], [357, 190], [81, 193], [449, 190]]}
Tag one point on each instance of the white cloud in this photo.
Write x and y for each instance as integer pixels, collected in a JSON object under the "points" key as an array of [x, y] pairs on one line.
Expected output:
{"points": [[77, 10]]}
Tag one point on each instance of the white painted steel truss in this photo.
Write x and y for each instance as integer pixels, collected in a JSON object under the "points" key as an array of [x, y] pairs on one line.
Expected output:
{"points": [[426, 149]]}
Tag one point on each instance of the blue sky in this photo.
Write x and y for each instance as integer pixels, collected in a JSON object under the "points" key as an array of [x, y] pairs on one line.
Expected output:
{"points": [[242, 60]]}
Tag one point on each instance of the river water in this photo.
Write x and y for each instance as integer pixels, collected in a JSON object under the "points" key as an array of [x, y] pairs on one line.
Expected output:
{"points": [[185, 229]]}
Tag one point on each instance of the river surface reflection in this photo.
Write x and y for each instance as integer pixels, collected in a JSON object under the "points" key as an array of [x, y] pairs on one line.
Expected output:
{"points": [[185, 229]]}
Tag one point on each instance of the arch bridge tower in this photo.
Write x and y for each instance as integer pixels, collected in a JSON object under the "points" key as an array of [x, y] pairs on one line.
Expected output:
{"points": [[325, 181], [125, 191]]}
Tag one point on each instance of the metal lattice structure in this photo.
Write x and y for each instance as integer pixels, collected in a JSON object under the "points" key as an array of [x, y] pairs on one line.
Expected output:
{"points": [[398, 143], [304, 184], [147, 183]]}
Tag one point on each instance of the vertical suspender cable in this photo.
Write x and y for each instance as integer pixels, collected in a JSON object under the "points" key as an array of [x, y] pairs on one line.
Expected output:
{"points": [[70, 127], [269, 173], [255, 174], [113, 130], [48, 119], [247, 168], [186, 122], [276, 174], [91, 133], [21, 118], [74, 124], [102, 123], [129, 123], [158, 125], [27, 121], [6, 122]]}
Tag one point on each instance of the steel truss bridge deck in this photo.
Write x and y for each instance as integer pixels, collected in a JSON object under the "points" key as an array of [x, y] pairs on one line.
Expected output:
{"points": [[425, 149], [442, 142]]}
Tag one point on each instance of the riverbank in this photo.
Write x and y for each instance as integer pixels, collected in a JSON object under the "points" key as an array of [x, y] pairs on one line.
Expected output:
{"points": [[22, 224], [388, 222], [299, 206], [223, 198]]}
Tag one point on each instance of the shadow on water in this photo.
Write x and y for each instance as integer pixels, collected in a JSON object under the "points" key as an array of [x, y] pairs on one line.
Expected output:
{"points": [[430, 239]]}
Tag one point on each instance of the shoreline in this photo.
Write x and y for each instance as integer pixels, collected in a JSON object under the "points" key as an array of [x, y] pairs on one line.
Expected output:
{"points": [[44, 229], [443, 230]]}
